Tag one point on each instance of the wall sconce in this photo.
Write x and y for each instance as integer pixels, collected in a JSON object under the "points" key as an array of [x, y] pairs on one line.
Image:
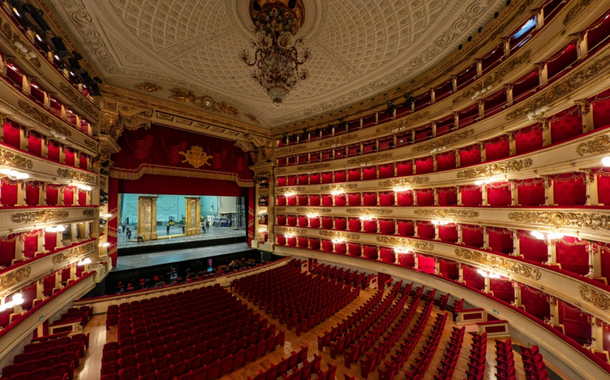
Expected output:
{"points": [[489, 274], [17, 300], [402, 250], [105, 245], [290, 193], [481, 92], [401, 189], [549, 236], [14, 174], [537, 113], [606, 161], [440, 222], [338, 241], [337, 192], [58, 136], [482, 182], [289, 236], [312, 216], [367, 218], [107, 216], [59, 228], [84, 262]]}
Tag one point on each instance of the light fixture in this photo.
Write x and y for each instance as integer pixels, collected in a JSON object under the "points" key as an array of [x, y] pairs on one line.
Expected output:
{"points": [[84, 262], [277, 60], [18, 299], [440, 222], [548, 236], [606, 161], [291, 193], [367, 218], [337, 192], [16, 12], [289, 236], [481, 92], [14, 174], [59, 228], [338, 241], [401, 189], [312, 216], [107, 216], [401, 250], [487, 181], [105, 245], [84, 187], [489, 274], [538, 113]]}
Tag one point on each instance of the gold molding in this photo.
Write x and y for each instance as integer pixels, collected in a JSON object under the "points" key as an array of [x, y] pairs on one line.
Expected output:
{"points": [[347, 186], [290, 149], [90, 212], [196, 157], [47, 120], [15, 276], [338, 234], [597, 298], [404, 242], [443, 141], [205, 102], [72, 253], [44, 216], [500, 263], [369, 158], [279, 209], [313, 210], [593, 221], [576, 10], [446, 213], [77, 98], [148, 87], [283, 190], [289, 230], [403, 123], [75, 175], [370, 211], [338, 140], [8, 158], [404, 181], [312, 167], [598, 145], [177, 172], [495, 169]]}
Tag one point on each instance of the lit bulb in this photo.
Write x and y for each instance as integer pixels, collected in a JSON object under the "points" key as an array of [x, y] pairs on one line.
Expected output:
{"points": [[606, 161], [538, 235], [478, 183]]}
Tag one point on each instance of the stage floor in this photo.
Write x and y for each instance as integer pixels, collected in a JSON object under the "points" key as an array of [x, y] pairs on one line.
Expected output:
{"points": [[175, 236], [167, 257]]}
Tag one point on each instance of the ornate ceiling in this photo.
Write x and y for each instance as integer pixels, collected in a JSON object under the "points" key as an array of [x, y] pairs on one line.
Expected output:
{"points": [[360, 48]]}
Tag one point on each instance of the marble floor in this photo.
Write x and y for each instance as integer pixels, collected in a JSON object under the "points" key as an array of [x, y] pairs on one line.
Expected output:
{"points": [[175, 236], [167, 257]]}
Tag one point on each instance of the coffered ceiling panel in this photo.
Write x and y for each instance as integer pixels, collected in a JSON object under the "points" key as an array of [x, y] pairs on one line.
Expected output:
{"points": [[360, 48]]}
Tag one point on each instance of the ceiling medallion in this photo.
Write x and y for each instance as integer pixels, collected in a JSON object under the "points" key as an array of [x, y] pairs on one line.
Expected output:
{"points": [[277, 59]]}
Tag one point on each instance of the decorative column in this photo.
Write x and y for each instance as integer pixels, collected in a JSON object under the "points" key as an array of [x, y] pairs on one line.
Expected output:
{"points": [[460, 273], [436, 232], [487, 285], [147, 217], [552, 252], [59, 243], [459, 196], [595, 261], [587, 116], [73, 232], [395, 226], [514, 193], [485, 238], [437, 266], [460, 232], [549, 190], [434, 163], [509, 94], [554, 305], [42, 195], [21, 185], [546, 133], [591, 187], [19, 246], [582, 44], [516, 251], [40, 243], [457, 158], [481, 105], [415, 261], [435, 196], [597, 334], [512, 144], [543, 73], [484, 201], [517, 288], [193, 215], [483, 152]]}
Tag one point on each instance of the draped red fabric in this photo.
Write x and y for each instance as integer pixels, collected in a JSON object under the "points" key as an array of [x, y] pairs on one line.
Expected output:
{"points": [[369, 173], [387, 255], [497, 149], [406, 260], [573, 256], [314, 200], [281, 200], [340, 200], [83, 161], [575, 322], [7, 250], [12, 136], [340, 223], [386, 171], [387, 226], [354, 224], [601, 109], [448, 233], [327, 177], [369, 199], [353, 175], [354, 199], [425, 230], [604, 251], [425, 197], [292, 200], [314, 243], [472, 196], [327, 222], [52, 196], [303, 178], [570, 189], [251, 208], [531, 192], [303, 242], [281, 161], [8, 194], [340, 176], [558, 63], [525, 85], [532, 248], [303, 159], [32, 197], [292, 180], [449, 269], [447, 196], [494, 103], [386, 198], [370, 226], [30, 243], [424, 165], [370, 252], [404, 168], [502, 289], [314, 178], [470, 155], [341, 248], [34, 144], [139, 143], [291, 241], [281, 181], [354, 249], [500, 240], [472, 236], [425, 264], [472, 278], [303, 221], [445, 161], [327, 155], [327, 200], [529, 139], [405, 198], [82, 198], [406, 228], [281, 220], [292, 220], [566, 124], [281, 240], [535, 302], [499, 194], [314, 222], [302, 200], [175, 185], [50, 241], [603, 187], [53, 151], [467, 115], [69, 157]]}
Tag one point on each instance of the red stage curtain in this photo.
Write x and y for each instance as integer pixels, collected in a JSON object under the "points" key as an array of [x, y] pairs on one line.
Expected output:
{"points": [[405, 198], [69, 157], [425, 264], [532, 248], [531, 192], [370, 252], [575, 322], [449, 269], [281, 200], [340, 223], [471, 196], [340, 176], [386, 198], [500, 240], [32, 193], [601, 109], [53, 151], [327, 222], [573, 256], [7, 249], [498, 194], [387, 255], [406, 260], [448, 233], [570, 189], [386, 171], [292, 200], [470, 155], [139, 144], [369, 173], [314, 178], [314, 222], [497, 148], [404, 168], [8, 192], [447, 196], [369, 199], [424, 165], [502, 289], [535, 302], [354, 249], [327, 177], [445, 161], [327, 200], [425, 230], [314, 200], [314, 243], [292, 180], [353, 175], [387, 226], [406, 228], [292, 220], [529, 139], [472, 278], [82, 198], [472, 235], [425, 197], [566, 124], [354, 199], [34, 144], [12, 136], [354, 224]]}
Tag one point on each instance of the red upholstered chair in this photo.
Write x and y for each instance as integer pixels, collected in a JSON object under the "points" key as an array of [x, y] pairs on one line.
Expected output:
{"points": [[239, 358], [193, 363], [271, 373], [178, 369], [164, 374], [160, 363], [128, 373], [226, 365], [186, 376], [214, 370], [251, 353], [145, 368]]}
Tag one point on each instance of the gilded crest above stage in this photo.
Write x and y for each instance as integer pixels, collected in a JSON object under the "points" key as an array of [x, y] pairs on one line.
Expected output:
{"points": [[196, 156]]}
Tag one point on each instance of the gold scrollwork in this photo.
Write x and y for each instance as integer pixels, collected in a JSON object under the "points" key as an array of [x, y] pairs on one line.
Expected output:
{"points": [[89, 212], [204, 102], [600, 144], [313, 210], [369, 211], [594, 296], [290, 149], [338, 140], [347, 186], [15, 276], [79, 99], [8, 158], [77, 176], [338, 234], [72, 253], [403, 242], [44, 118], [403, 122], [312, 167], [594, 221], [39, 216], [279, 209], [446, 213], [495, 169], [196, 157], [443, 141], [284, 230], [576, 10], [369, 159], [282, 190], [499, 263], [404, 181], [148, 87]]}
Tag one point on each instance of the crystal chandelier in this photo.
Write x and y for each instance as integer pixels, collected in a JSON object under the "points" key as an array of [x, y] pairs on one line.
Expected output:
{"points": [[277, 60]]}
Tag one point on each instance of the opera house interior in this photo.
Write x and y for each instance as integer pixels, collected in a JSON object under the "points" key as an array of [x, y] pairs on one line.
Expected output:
{"points": [[304, 189]]}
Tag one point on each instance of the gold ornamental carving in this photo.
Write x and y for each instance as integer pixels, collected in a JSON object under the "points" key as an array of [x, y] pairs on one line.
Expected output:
{"points": [[89, 212], [403, 242], [347, 186], [443, 141], [369, 211], [128, 117], [8, 158], [252, 118], [204, 102], [560, 90], [79, 99], [284, 230], [576, 10], [77, 176], [495, 169], [39, 216], [343, 235], [280, 170], [369, 159], [446, 213], [500, 263], [594, 296], [15, 276], [279, 209], [148, 87], [312, 167], [45, 119], [593, 221], [313, 210], [196, 157], [283, 190], [91, 144], [338, 140], [600, 144], [290, 149], [72, 253], [403, 123], [404, 181]]}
